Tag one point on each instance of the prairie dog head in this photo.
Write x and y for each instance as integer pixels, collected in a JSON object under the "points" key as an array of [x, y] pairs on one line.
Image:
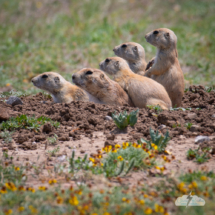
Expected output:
{"points": [[114, 65], [162, 38], [130, 51], [49, 81], [91, 80]]}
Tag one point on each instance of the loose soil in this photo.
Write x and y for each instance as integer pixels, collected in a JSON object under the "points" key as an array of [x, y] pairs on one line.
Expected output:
{"points": [[85, 129]]}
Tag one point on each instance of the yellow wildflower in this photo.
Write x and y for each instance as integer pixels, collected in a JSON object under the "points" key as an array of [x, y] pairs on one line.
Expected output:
{"points": [[148, 211], [43, 188], [125, 200], [73, 200], [194, 184], [120, 158], [8, 212], [141, 201], [206, 194], [32, 209], [204, 178], [157, 167], [159, 208], [125, 145], [31, 189], [102, 164], [79, 192], [92, 160], [135, 145], [181, 186], [114, 150], [145, 196], [94, 214], [3, 190], [21, 188], [52, 181], [106, 213], [16, 168], [59, 200], [7, 85], [99, 156], [117, 146], [10, 186], [21, 208]]}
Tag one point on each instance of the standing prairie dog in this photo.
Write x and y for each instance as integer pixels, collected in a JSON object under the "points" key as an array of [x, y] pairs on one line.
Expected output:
{"points": [[134, 54], [166, 69], [98, 84], [143, 91], [61, 90]]}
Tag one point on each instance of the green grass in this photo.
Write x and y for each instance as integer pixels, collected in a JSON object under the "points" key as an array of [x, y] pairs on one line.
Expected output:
{"points": [[66, 36], [26, 122]]}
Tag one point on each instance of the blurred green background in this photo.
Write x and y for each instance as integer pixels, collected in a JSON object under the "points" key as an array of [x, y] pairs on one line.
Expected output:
{"points": [[67, 35]]}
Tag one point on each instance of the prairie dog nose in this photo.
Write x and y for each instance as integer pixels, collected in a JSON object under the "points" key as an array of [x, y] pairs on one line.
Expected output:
{"points": [[73, 77]]}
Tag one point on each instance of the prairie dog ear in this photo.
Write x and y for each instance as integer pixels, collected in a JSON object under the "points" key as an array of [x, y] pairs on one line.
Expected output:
{"points": [[117, 64], [167, 35], [102, 76], [135, 48], [57, 80]]}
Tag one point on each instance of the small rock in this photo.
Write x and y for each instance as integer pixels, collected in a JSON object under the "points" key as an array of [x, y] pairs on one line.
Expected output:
{"points": [[64, 138], [109, 118], [200, 139], [13, 100], [160, 127], [82, 151], [12, 145], [182, 137], [191, 115], [62, 158], [213, 116], [194, 128]]}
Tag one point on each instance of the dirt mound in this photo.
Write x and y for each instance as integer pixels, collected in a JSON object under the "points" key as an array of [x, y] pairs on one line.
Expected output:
{"points": [[197, 117]]}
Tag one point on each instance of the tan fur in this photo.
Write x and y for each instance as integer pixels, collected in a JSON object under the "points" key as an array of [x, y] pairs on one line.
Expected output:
{"points": [[143, 91], [166, 69], [98, 84], [134, 54], [61, 90]]}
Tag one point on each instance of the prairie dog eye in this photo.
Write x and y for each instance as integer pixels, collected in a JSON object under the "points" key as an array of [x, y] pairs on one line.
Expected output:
{"points": [[107, 60], [155, 32], [124, 46], [45, 76], [89, 72]]}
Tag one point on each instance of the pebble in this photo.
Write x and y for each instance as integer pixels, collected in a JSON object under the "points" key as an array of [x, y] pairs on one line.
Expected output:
{"points": [[109, 118], [194, 128], [13, 100], [200, 139], [160, 127], [62, 158]]}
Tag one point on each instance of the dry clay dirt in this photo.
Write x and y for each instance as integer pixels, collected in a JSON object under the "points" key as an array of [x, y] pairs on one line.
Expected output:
{"points": [[85, 129]]}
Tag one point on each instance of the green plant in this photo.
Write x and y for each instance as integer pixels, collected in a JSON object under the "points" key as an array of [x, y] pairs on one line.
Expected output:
{"points": [[180, 108], [200, 155], [52, 140], [7, 136], [188, 125], [176, 125], [119, 161], [157, 108], [54, 152], [123, 119], [209, 89], [11, 173], [27, 122], [158, 139]]}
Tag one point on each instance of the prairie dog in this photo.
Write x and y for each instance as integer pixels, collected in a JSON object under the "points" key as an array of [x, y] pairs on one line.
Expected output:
{"points": [[143, 91], [61, 90], [134, 54], [166, 69], [98, 84]]}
